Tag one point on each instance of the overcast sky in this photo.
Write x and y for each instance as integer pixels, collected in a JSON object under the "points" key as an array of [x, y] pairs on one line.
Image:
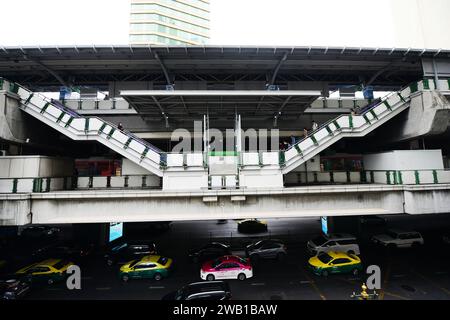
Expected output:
{"points": [[233, 22]]}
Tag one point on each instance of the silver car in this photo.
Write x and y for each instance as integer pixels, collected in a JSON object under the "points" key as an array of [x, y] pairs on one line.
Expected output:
{"points": [[266, 249]]}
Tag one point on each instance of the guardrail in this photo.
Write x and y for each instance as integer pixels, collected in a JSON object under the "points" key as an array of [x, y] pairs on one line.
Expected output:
{"points": [[371, 115], [97, 104], [390, 177], [49, 184], [67, 119]]}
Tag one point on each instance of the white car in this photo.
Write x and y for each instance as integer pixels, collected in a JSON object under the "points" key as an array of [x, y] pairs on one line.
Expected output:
{"points": [[226, 267], [336, 242], [399, 239]]}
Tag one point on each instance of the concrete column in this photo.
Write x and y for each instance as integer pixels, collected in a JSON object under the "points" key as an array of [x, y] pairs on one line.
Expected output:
{"points": [[344, 225], [95, 233]]}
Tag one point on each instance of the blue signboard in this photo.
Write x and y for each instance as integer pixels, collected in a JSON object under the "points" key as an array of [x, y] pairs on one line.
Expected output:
{"points": [[324, 221], [115, 230]]}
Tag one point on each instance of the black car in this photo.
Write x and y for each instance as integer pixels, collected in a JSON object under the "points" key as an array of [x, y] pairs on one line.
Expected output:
{"points": [[373, 221], [252, 226], [210, 251], [128, 251], [66, 251], [25, 252], [12, 288], [208, 290], [40, 233]]}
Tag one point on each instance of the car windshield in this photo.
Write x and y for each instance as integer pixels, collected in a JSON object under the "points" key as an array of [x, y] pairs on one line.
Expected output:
{"points": [[182, 293], [258, 244], [324, 257], [320, 240], [243, 261], [133, 263], [59, 265], [163, 261], [392, 234], [216, 262]]}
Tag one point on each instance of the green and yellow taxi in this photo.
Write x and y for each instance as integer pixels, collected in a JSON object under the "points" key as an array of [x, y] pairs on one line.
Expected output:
{"points": [[148, 267], [47, 271], [335, 262]]}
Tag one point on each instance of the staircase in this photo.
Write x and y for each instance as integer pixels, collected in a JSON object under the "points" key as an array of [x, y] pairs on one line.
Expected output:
{"points": [[77, 127], [350, 126]]}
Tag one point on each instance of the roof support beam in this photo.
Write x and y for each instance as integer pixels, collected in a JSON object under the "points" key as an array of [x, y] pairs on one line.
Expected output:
{"points": [[164, 69], [277, 68], [52, 72], [166, 118], [379, 73]]}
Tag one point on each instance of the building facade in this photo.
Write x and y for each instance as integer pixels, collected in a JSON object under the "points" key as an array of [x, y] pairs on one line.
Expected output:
{"points": [[169, 22]]}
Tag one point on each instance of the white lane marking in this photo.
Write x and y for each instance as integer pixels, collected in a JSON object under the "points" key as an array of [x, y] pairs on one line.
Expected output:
{"points": [[157, 287], [399, 275], [103, 288], [305, 282], [441, 272], [258, 284]]}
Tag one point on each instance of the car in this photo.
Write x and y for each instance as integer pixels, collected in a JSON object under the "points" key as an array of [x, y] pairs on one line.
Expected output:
{"points": [[209, 251], [266, 249], [12, 288], [226, 267], [399, 239], [39, 232], [128, 251], [327, 263], [206, 290], [67, 251], [373, 221], [47, 271], [148, 267], [252, 226], [340, 242]]}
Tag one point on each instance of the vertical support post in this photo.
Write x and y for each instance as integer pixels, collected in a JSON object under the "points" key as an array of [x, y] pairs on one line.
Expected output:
{"points": [[15, 182], [435, 177], [47, 186]]}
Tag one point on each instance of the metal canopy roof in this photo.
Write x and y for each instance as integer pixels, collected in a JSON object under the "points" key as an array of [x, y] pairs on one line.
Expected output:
{"points": [[96, 65], [193, 104]]}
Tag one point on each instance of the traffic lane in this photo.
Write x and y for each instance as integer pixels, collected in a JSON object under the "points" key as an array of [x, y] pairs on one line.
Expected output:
{"points": [[300, 227], [273, 280]]}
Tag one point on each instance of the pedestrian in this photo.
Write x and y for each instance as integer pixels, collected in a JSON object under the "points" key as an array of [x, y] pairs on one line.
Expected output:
{"points": [[293, 140], [315, 126], [120, 126], [305, 132]]}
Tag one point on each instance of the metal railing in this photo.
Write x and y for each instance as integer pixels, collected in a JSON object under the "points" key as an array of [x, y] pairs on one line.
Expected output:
{"points": [[369, 115], [389, 177], [70, 183], [15, 88]]}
